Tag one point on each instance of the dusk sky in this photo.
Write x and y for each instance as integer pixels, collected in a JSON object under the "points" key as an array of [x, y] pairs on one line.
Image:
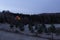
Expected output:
{"points": [[30, 6]]}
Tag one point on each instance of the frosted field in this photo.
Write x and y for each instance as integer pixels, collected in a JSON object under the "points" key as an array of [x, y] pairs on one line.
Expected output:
{"points": [[13, 36]]}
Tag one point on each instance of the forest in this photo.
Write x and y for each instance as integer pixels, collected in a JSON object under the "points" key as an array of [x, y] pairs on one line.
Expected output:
{"points": [[45, 18]]}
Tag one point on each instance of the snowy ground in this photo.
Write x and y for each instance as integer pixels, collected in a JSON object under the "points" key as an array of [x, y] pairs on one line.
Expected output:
{"points": [[13, 36]]}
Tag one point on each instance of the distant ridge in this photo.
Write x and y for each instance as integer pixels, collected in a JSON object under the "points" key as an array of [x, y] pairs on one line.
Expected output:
{"points": [[46, 18]]}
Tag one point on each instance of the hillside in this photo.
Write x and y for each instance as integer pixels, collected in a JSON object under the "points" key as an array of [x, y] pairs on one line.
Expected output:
{"points": [[46, 18]]}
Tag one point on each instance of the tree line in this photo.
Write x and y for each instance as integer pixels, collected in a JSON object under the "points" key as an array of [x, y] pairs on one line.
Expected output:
{"points": [[32, 20], [46, 18]]}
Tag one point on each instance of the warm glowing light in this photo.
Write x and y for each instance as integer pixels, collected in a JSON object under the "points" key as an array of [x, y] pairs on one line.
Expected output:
{"points": [[18, 18]]}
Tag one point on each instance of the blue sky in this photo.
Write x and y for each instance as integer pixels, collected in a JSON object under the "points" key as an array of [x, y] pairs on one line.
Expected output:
{"points": [[30, 6]]}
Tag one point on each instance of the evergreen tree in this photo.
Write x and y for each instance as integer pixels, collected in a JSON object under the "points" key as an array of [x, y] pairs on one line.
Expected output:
{"points": [[30, 28], [21, 27], [36, 26], [1, 20], [44, 28], [11, 26], [52, 30], [40, 29]]}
